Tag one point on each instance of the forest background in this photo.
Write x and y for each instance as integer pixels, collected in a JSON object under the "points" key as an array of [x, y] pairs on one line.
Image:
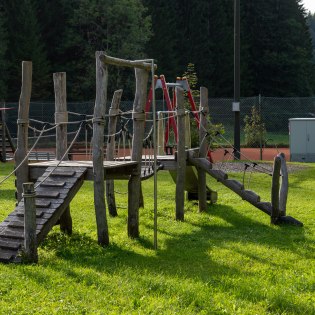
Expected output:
{"points": [[277, 43]]}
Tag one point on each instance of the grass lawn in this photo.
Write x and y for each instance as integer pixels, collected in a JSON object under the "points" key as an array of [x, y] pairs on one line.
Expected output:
{"points": [[228, 260]]}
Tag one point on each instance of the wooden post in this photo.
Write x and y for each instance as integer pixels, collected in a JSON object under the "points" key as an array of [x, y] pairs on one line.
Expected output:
{"points": [[275, 212], [110, 152], [284, 186], [98, 150], [160, 135], [134, 184], [30, 239], [3, 144], [22, 133], [203, 150], [181, 155], [61, 116]]}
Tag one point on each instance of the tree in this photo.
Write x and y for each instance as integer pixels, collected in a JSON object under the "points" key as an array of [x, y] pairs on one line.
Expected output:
{"points": [[3, 48], [311, 24], [25, 44], [120, 27]]}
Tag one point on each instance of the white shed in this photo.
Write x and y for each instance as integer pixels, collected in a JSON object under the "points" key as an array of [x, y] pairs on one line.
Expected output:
{"points": [[302, 139]]}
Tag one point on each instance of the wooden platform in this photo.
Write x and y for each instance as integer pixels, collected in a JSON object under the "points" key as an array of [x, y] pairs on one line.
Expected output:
{"points": [[112, 170]]}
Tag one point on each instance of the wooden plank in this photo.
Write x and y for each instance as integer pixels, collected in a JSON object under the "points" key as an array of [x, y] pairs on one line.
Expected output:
{"points": [[62, 173], [275, 213], [47, 194], [7, 255], [9, 244], [53, 184]]}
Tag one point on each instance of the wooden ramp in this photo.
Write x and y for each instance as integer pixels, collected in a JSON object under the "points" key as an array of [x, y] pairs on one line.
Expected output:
{"points": [[52, 198], [237, 187]]}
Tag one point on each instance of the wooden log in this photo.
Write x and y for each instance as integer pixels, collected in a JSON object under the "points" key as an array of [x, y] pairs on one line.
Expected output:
{"points": [[61, 118], [187, 131], [136, 155], [110, 151], [202, 188], [22, 175], [181, 156], [284, 188], [126, 63], [275, 213], [98, 150], [30, 239]]}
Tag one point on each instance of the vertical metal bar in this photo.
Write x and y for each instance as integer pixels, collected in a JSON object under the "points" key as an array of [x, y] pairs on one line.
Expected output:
{"points": [[237, 129], [155, 154]]}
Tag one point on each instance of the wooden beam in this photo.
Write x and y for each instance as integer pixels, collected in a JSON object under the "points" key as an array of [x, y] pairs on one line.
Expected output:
{"points": [[284, 188], [110, 152], [108, 60], [275, 213], [181, 156], [61, 118], [134, 185], [204, 111], [22, 175], [30, 238], [98, 150]]}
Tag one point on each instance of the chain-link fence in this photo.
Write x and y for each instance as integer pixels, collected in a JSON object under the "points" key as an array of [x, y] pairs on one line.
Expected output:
{"points": [[275, 113]]}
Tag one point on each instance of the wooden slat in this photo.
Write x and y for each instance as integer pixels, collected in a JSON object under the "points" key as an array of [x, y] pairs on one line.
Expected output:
{"points": [[9, 244]]}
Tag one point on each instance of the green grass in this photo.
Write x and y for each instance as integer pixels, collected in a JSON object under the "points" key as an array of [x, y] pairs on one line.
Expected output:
{"points": [[228, 260]]}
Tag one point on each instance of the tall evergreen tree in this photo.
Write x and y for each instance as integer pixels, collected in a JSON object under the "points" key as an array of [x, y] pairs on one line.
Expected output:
{"points": [[25, 44], [120, 27], [3, 48], [311, 24]]}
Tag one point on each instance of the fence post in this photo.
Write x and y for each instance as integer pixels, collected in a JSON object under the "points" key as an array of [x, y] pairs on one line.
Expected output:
{"points": [[110, 151], [61, 119], [203, 150], [98, 149], [181, 155], [30, 239], [134, 184], [22, 133]]}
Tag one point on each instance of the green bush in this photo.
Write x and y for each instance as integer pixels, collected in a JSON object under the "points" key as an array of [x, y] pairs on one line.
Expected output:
{"points": [[255, 130]]}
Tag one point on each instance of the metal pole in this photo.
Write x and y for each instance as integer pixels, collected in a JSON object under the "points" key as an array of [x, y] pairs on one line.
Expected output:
{"points": [[155, 154], [236, 104]]}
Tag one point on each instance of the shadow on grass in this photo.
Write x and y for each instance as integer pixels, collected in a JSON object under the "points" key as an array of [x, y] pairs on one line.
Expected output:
{"points": [[186, 255]]}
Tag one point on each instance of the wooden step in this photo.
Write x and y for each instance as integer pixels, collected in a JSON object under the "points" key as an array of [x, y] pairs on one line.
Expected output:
{"points": [[219, 175], [42, 203], [265, 207], [14, 233], [47, 194], [39, 213], [53, 184], [234, 184], [7, 255], [251, 196], [9, 244], [62, 173]]}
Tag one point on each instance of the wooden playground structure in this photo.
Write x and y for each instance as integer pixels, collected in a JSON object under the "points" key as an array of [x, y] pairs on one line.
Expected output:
{"points": [[45, 189]]}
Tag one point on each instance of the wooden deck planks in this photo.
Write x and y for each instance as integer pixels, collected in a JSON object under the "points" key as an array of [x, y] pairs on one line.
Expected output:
{"points": [[51, 202]]}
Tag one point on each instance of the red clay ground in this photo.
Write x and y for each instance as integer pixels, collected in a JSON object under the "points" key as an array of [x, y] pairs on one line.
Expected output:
{"points": [[268, 154]]}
